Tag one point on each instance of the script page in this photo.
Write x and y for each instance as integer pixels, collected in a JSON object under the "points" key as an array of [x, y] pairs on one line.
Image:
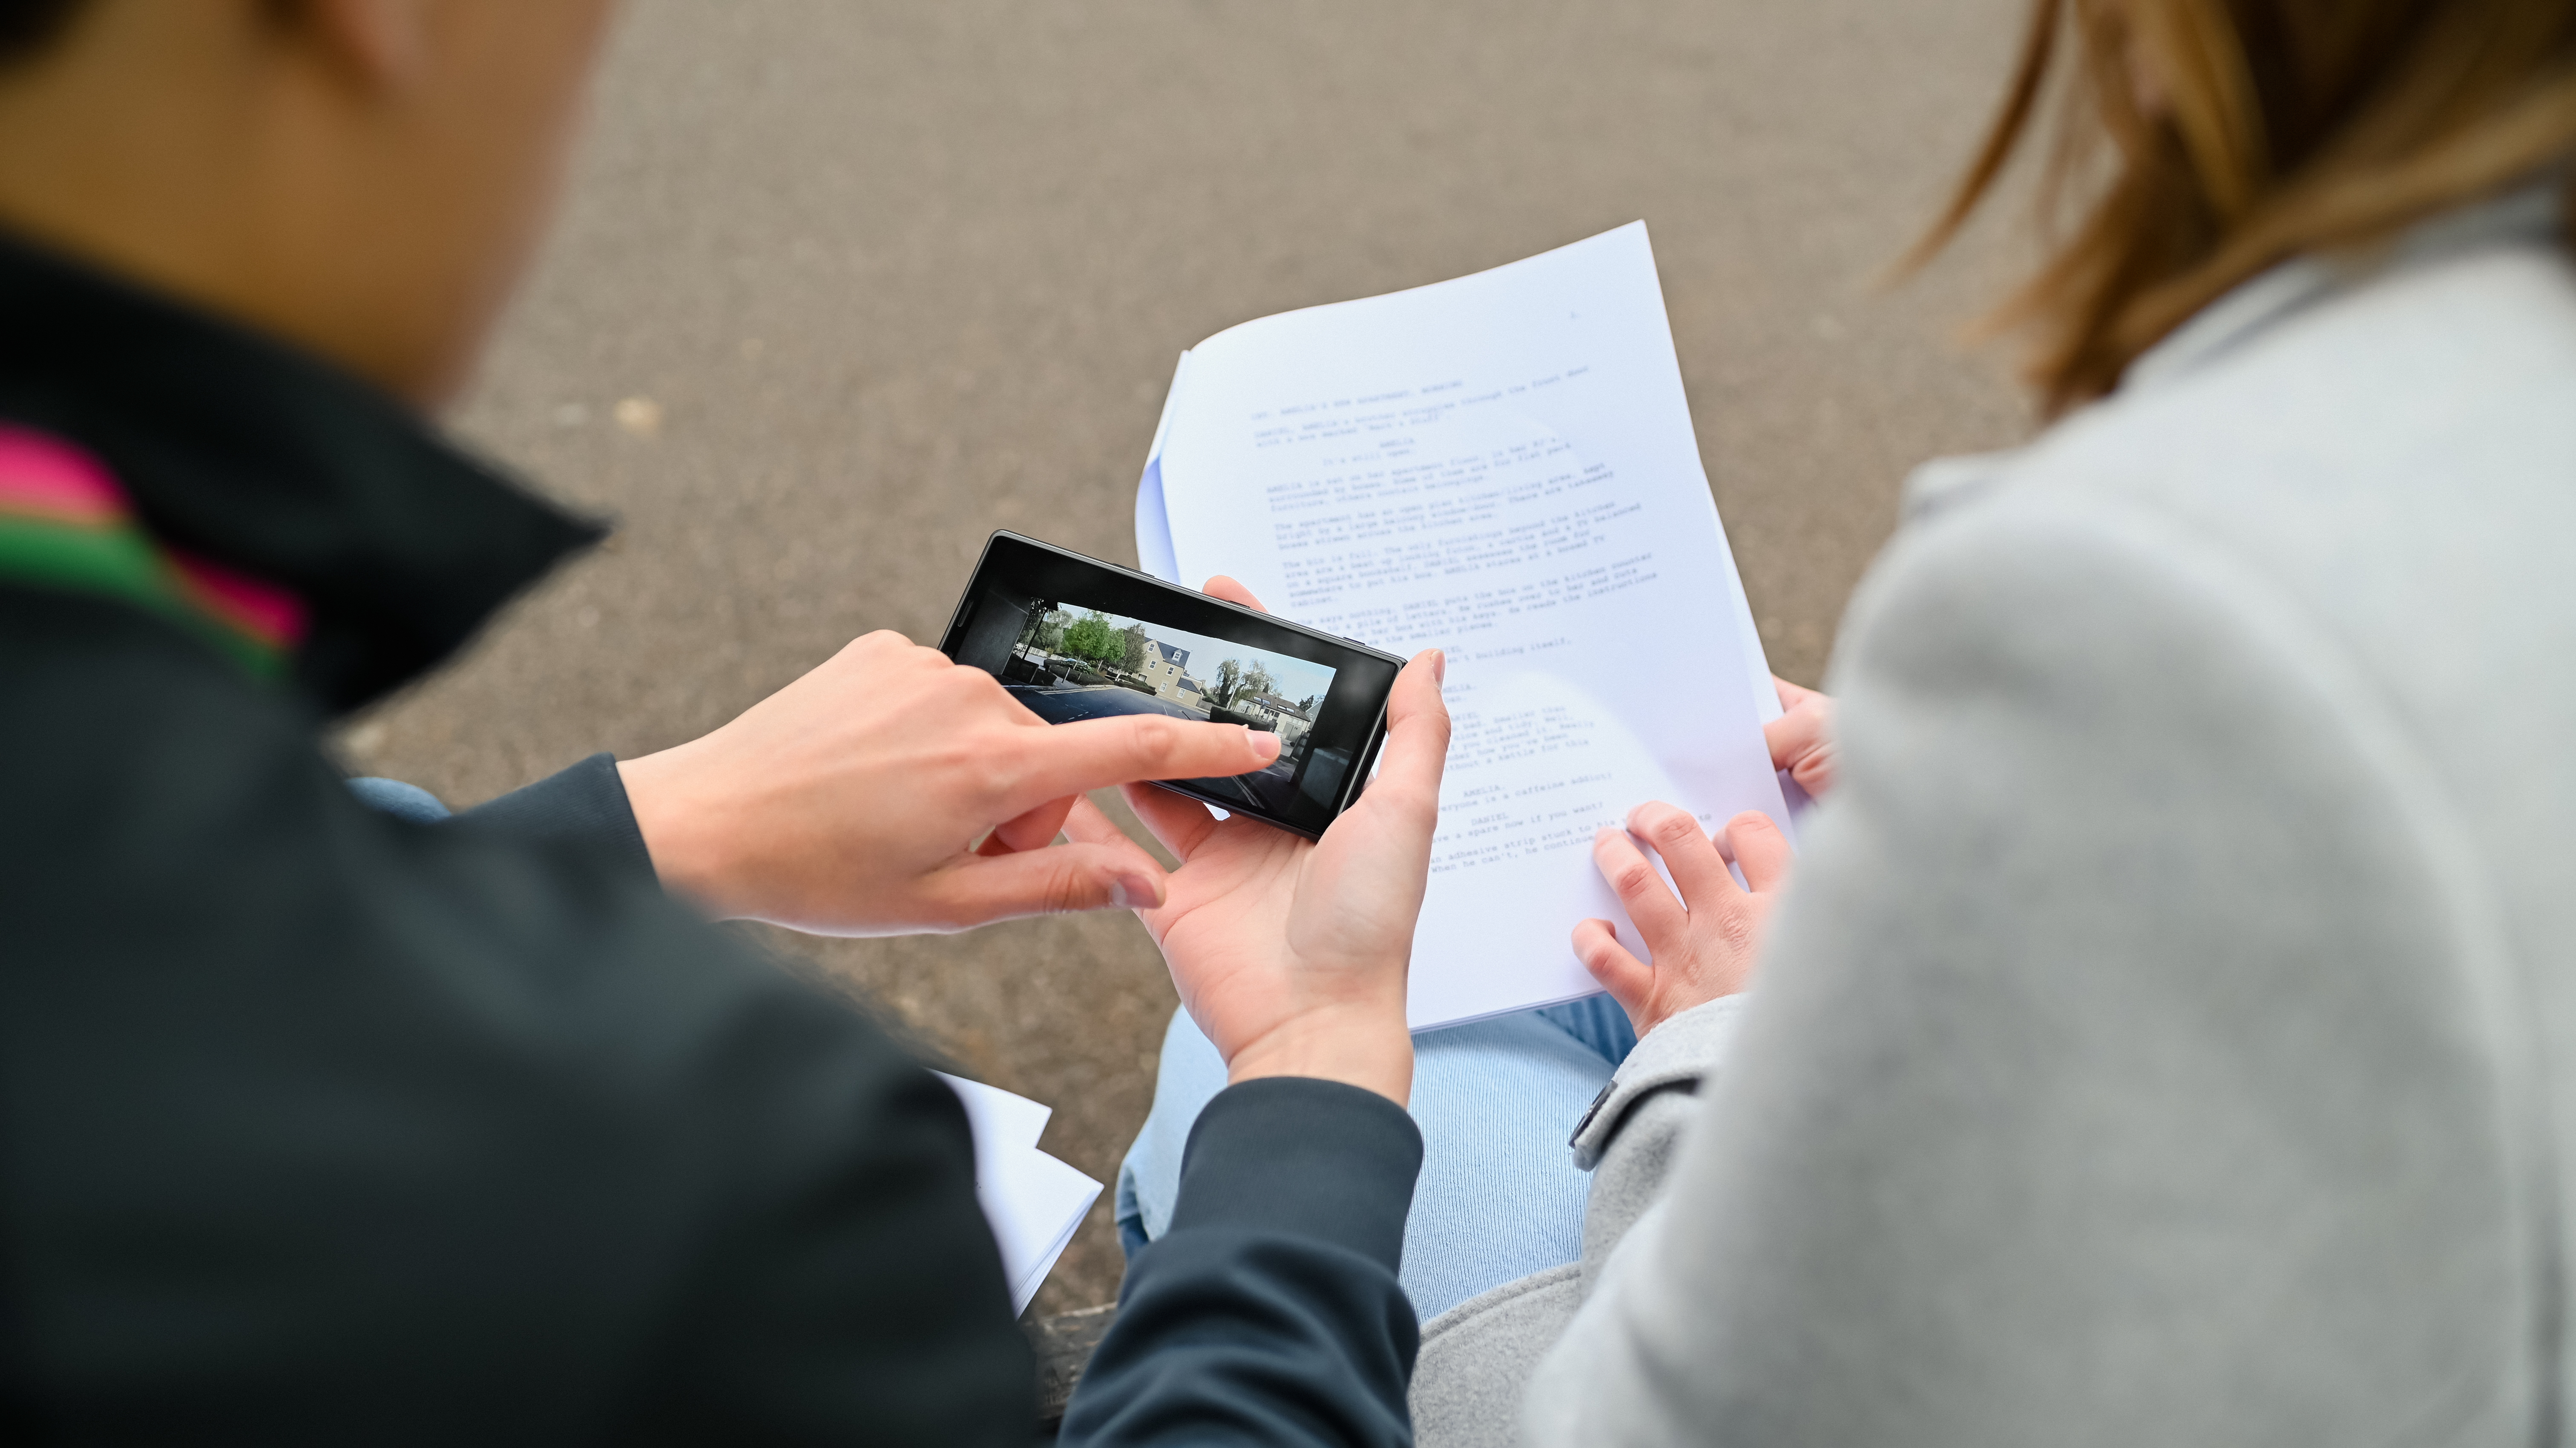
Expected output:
{"points": [[1501, 466], [1032, 1201]]}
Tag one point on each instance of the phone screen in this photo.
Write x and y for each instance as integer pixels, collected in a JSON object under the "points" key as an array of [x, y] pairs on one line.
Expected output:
{"points": [[1074, 638]]}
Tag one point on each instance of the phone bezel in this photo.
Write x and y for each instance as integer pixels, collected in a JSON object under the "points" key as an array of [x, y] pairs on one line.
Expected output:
{"points": [[1242, 621]]}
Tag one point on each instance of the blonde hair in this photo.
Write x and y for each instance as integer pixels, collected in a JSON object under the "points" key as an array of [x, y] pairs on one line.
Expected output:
{"points": [[2203, 141]]}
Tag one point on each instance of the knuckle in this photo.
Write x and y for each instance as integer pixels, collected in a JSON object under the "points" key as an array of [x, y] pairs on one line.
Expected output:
{"points": [[1634, 879], [1421, 809], [1154, 738], [999, 780], [988, 770], [1666, 825], [1066, 892], [1738, 930]]}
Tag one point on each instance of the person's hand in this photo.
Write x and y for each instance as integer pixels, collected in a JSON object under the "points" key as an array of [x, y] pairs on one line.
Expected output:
{"points": [[852, 801], [1291, 954], [1802, 738], [1700, 946]]}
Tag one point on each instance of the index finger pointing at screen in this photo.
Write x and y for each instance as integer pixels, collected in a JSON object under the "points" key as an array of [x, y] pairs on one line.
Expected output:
{"points": [[1127, 749]]}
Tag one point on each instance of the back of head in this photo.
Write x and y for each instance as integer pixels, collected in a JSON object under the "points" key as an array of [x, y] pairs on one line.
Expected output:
{"points": [[361, 177], [26, 25], [2199, 142]]}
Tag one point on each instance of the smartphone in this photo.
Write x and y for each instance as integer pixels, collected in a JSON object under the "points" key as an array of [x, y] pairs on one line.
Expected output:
{"points": [[1074, 638]]}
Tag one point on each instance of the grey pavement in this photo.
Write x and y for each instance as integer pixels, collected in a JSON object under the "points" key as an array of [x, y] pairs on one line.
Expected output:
{"points": [[842, 285]]}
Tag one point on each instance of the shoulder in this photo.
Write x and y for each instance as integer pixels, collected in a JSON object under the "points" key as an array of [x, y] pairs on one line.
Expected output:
{"points": [[2372, 482], [2353, 393], [406, 1077], [2465, 359], [161, 806]]}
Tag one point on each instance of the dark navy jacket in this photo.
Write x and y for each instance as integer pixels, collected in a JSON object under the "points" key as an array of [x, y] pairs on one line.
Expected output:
{"points": [[316, 1125]]}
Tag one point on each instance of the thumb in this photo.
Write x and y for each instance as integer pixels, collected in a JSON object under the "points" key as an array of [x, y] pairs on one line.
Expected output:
{"points": [[1802, 742], [1232, 591], [1056, 880]]}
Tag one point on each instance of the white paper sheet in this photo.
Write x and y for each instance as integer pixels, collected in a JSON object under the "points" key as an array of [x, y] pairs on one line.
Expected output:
{"points": [[1502, 466], [1046, 1202], [1153, 524], [1033, 1201]]}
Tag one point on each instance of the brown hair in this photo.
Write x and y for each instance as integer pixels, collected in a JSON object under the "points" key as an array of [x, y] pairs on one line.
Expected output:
{"points": [[28, 26], [2270, 129]]}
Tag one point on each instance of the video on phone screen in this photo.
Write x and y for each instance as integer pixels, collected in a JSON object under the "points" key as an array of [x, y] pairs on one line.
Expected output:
{"points": [[1070, 663]]}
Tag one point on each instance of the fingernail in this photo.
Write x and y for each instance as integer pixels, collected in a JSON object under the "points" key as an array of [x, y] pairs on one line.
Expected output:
{"points": [[1440, 666], [1265, 746], [1135, 892]]}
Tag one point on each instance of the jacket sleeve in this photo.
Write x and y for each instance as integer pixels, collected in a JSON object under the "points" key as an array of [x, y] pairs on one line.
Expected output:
{"points": [[846, 1288], [2131, 1062], [1269, 1313], [585, 804], [1629, 1138]]}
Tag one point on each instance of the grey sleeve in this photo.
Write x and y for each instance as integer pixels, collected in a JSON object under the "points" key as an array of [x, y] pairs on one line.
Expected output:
{"points": [[585, 804], [1628, 1138], [2132, 1062]]}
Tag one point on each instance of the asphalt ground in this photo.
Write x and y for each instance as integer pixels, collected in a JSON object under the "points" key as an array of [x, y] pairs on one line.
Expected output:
{"points": [[842, 285]]}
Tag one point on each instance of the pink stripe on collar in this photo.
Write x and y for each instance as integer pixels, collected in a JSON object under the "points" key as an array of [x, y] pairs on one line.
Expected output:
{"points": [[47, 478], [263, 610], [44, 475]]}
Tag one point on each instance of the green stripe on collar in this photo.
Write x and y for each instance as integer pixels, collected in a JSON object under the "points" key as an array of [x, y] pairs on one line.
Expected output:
{"points": [[66, 524]]}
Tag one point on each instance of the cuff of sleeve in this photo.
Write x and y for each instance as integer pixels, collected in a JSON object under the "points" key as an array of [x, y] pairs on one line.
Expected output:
{"points": [[1672, 1057], [585, 804], [1306, 1158]]}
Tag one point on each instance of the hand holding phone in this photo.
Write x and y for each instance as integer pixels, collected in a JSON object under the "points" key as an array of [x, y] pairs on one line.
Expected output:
{"points": [[1075, 639], [1291, 954]]}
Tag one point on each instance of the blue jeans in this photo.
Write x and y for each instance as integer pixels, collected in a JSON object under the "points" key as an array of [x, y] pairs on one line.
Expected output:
{"points": [[1499, 1196], [402, 801]]}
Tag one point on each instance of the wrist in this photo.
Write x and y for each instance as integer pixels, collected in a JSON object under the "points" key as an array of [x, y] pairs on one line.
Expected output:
{"points": [[680, 832], [1363, 1045]]}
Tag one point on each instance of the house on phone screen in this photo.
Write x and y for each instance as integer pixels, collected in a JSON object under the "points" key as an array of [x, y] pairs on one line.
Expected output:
{"points": [[1288, 720], [1167, 671]]}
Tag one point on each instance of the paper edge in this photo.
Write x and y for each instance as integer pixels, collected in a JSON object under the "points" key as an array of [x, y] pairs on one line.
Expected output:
{"points": [[1597, 238], [1154, 551]]}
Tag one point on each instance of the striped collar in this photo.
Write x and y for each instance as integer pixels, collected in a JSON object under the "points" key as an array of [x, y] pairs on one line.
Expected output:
{"points": [[65, 523], [309, 525]]}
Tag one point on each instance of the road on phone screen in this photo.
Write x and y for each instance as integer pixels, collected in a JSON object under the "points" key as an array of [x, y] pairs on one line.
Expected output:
{"points": [[841, 286], [1270, 789]]}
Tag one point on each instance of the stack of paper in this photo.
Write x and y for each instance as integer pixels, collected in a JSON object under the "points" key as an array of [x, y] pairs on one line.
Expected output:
{"points": [[1033, 1201], [1501, 466]]}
